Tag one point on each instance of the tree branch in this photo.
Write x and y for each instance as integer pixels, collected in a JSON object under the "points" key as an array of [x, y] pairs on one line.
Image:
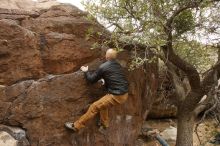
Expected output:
{"points": [[208, 80], [181, 9], [130, 46], [188, 69], [168, 27], [179, 87]]}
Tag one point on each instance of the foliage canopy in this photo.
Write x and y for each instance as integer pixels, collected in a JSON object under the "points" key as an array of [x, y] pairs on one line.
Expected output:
{"points": [[195, 30]]}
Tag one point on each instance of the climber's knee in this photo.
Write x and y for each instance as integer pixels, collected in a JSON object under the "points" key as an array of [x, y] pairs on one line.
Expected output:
{"points": [[93, 108]]}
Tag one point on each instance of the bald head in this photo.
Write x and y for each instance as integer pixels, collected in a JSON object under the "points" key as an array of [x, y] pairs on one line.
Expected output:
{"points": [[110, 54]]}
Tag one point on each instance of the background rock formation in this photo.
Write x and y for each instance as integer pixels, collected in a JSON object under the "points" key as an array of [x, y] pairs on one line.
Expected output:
{"points": [[41, 52], [11, 136], [54, 40]]}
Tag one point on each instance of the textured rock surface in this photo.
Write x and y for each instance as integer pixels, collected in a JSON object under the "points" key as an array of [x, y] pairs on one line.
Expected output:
{"points": [[169, 134], [7, 140], [12, 136], [18, 45], [164, 104], [163, 109], [55, 41], [43, 106]]}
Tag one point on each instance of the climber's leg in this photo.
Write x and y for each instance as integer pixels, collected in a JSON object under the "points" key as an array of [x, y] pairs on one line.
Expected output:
{"points": [[120, 98], [104, 102], [107, 101], [104, 118]]}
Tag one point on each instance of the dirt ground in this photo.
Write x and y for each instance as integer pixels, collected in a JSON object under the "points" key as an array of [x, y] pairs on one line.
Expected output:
{"points": [[206, 132]]}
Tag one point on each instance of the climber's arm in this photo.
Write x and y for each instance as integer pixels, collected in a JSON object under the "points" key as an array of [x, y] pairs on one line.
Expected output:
{"points": [[94, 76]]}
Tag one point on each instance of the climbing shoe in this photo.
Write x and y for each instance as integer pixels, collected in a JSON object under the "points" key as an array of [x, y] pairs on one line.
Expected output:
{"points": [[70, 126], [100, 125]]}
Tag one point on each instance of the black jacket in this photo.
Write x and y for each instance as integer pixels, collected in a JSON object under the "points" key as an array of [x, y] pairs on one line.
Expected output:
{"points": [[112, 72]]}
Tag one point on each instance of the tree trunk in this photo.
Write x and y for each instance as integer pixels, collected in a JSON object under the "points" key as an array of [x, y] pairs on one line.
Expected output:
{"points": [[185, 126]]}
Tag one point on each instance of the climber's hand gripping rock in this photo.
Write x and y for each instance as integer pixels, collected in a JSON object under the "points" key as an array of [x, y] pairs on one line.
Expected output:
{"points": [[84, 68]]}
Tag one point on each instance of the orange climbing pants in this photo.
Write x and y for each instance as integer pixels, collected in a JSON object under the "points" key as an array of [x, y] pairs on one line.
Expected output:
{"points": [[100, 106]]}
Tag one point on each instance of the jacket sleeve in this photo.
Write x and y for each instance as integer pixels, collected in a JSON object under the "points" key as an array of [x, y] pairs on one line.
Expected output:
{"points": [[94, 76]]}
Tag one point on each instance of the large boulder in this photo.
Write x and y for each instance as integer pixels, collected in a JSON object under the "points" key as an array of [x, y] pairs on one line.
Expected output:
{"points": [[42, 106]]}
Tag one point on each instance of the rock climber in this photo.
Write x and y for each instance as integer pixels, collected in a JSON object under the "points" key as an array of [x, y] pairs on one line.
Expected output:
{"points": [[117, 91]]}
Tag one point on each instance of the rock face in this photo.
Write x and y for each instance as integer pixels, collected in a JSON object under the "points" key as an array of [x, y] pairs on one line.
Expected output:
{"points": [[12, 136], [164, 104], [55, 40], [43, 106], [169, 134], [41, 52], [163, 109]]}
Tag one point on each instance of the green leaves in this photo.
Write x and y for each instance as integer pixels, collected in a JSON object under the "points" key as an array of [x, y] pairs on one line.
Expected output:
{"points": [[144, 22], [201, 56], [184, 22]]}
